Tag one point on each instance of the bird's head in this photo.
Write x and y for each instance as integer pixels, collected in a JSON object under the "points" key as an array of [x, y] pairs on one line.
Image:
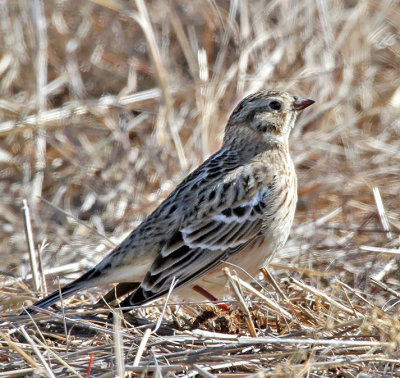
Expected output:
{"points": [[270, 114]]}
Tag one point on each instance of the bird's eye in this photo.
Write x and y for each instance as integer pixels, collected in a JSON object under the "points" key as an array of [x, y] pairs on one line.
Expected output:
{"points": [[275, 105]]}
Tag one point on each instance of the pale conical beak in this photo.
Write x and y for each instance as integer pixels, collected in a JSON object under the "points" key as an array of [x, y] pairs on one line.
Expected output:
{"points": [[302, 103]]}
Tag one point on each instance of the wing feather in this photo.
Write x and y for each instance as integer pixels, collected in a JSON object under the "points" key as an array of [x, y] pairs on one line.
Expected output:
{"points": [[206, 242]]}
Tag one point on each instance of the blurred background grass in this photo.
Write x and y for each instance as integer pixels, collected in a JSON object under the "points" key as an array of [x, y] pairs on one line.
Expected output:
{"points": [[106, 105]]}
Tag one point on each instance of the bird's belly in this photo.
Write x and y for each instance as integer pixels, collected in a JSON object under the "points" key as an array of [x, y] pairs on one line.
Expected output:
{"points": [[246, 264]]}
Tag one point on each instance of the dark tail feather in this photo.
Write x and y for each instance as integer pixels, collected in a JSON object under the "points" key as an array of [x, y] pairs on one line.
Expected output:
{"points": [[66, 292], [118, 291]]}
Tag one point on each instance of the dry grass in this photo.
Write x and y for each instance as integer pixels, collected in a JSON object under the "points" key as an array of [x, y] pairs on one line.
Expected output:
{"points": [[106, 105]]}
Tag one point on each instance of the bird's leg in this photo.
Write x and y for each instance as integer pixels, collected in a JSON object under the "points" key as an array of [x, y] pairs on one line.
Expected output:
{"points": [[210, 297]]}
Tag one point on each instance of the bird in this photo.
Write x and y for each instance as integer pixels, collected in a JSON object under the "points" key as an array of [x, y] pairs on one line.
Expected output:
{"points": [[237, 207]]}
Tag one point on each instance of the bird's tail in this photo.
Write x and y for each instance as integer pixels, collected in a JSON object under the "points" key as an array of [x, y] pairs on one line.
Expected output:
{"points": [[66, 291]]}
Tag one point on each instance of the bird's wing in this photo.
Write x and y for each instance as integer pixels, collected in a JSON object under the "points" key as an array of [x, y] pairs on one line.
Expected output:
{"points": [[211, 215], [222, 220]]}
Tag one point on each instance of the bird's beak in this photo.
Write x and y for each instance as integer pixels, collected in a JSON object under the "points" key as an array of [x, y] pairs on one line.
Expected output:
{"points": [[302, 103]]}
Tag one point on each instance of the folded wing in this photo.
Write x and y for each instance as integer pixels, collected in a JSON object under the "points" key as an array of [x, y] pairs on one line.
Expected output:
{"points": [[220, 228]]}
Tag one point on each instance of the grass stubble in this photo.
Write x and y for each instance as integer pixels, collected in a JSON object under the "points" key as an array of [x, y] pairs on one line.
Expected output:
{"points": [[106, 105]]}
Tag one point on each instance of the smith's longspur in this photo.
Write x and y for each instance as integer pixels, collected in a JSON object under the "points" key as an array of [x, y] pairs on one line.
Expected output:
{"points": [[238, 206]]}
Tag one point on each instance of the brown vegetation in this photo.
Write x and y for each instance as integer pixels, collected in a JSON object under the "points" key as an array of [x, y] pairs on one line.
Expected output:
{"points": [[106, 105]]}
